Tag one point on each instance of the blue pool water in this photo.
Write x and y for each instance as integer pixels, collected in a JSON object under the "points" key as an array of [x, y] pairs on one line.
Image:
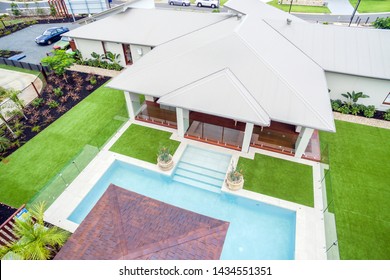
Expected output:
{"points": [[257, 230]]}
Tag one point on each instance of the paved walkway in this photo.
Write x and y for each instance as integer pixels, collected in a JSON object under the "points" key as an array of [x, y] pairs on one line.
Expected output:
{"points": [[95, 70], [340, 7], [362, 120]]}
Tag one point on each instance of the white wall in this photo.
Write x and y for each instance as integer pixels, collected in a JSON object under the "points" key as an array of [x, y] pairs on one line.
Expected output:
{"points": [[116, 48], [377, 89], [86, 47], [135, 51]]}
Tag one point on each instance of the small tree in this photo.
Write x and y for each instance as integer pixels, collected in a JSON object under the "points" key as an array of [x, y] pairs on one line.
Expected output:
{"points": [[6, 123], [53, 11], [4, 144], [15, 9], [35, 240], [58, 62]]}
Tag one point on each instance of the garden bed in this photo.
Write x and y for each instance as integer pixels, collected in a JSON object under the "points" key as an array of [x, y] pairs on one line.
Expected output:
{"points": [[6, 212], [8, 53], [359, 110], [58, 97]]}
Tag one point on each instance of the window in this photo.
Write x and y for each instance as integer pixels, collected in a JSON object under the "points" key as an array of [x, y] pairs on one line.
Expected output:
{"points": [[387, 99]]}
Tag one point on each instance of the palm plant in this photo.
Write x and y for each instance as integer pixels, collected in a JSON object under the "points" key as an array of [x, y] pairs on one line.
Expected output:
{"points": [[4, 143], [2, 118], [354, 97], [112, 57], [34, 241]]}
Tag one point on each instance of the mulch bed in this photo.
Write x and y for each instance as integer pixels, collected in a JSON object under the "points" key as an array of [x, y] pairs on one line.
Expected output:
{"points": [[6, 212], [58, 97]]}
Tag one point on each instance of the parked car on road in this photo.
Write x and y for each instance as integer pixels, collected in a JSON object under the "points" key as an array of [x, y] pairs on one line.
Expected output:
{"points": [[179, 2], [62, 44], [207, 3], [51, 35]]}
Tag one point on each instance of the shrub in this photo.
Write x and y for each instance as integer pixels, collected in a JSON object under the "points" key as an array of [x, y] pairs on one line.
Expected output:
{"points": [[37, 102], [36, 128], [336, 104], [93, 80], [58, 92], [382, 23], [355, 109], [369, 111], [53, 104], [89, 87], [345, 109], [386, 115]]}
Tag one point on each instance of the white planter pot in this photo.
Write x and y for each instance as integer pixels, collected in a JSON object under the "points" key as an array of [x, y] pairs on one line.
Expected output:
{"points": [[235, 186], [165, 166]]}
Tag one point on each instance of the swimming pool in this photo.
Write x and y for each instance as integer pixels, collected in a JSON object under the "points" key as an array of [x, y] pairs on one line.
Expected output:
{"points": [[257, 230]]}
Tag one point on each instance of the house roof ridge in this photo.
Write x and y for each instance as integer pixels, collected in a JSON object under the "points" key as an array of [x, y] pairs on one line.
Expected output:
{"points": [[251, 102], [281, 76]]}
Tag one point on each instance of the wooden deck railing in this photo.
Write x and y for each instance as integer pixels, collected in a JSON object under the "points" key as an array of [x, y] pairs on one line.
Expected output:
{"points": [[6, 229]]}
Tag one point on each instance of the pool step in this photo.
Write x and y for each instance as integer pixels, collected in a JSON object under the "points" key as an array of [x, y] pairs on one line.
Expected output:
{"points": [[208, 159], [199, 177], [195, 183], [201, 170]]}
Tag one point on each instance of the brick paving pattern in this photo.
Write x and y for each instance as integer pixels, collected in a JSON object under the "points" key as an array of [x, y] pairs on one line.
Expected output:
{"points": [[126, 225]]}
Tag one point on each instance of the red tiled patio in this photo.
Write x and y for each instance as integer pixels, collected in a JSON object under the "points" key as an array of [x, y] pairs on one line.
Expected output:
{"points": [[127, 225]]}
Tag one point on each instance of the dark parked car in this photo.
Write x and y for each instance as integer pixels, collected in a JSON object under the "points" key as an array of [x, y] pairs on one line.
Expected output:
{"points": [[51, 35]]}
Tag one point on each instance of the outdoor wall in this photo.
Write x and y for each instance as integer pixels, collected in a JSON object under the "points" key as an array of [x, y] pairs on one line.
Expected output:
{"points": [[135, 49], [86, 47], [377, 89], [116, 48]]}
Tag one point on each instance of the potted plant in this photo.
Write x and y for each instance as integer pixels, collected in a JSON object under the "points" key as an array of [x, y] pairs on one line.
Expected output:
{"points": [[235, 179], [164, 159]]}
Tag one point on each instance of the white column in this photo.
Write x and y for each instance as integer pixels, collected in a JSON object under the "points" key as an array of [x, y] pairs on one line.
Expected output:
{"points": [[183, 121], [132, 103], [247, 137], [149, 98], [303, 141]]}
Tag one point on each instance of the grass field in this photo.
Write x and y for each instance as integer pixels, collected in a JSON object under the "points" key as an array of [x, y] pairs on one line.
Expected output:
{"points": [[2, 66], [34, 164], [372, 6], [359, 169], [143, 143], [299, 9], [278, 178]]}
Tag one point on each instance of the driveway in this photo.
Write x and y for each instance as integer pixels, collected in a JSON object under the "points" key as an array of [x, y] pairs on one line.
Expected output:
{"points": [[24, 40]]}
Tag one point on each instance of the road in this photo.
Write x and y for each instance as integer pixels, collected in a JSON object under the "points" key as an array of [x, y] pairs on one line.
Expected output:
{"points": [[307, 17]]}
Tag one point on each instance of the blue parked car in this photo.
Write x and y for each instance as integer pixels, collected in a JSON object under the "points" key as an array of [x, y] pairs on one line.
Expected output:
{"points": [[51, 35]]}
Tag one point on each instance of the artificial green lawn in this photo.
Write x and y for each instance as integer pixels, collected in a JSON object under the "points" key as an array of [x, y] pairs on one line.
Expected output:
{"points": [[278, 178], [17, 69], [359, 169], [34, 164], [143, 143], [299, 9], [372, 6]]}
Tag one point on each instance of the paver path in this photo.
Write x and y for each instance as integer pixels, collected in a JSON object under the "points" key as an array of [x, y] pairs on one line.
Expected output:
{"points": [[362, 120], [340, 7]]}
